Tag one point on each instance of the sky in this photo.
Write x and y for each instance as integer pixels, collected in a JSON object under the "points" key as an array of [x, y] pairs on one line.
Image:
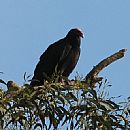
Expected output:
{"points": [[28, 27]]}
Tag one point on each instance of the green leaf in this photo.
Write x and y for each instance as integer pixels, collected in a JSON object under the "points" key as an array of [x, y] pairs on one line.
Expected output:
{"points": [[109, 104]]}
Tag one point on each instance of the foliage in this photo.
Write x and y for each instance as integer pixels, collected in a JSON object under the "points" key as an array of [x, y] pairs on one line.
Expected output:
{"points": [[50, 106]]}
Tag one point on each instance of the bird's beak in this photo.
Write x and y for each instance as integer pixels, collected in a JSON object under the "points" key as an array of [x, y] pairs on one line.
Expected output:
{"points": [[82, 35]]}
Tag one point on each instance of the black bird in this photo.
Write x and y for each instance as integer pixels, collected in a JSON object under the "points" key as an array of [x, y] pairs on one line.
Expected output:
{"points": [[60, 57]]}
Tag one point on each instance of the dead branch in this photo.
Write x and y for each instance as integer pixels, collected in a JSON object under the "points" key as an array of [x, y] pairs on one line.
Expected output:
{"points": [[92, 77]]}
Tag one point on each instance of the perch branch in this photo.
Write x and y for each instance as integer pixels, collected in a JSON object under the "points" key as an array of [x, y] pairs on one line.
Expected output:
{"points": [[92, 76]]}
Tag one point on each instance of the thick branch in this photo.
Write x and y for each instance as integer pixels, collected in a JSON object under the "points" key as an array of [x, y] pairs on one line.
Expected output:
{"points": [[92, 76]]}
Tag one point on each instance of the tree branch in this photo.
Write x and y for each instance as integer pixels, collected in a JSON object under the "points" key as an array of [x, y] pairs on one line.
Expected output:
{"points": [[92, 77]]}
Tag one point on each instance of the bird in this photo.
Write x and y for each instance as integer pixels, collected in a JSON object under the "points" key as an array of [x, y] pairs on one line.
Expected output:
{"points": [[59, 58]]}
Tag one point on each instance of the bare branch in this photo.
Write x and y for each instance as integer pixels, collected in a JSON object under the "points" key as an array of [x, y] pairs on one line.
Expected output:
{"points": [[92, 76]]}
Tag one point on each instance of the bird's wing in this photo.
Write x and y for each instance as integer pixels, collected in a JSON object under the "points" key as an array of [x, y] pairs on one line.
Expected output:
{"points": [[71, 62], [64, 60], [50, 58], [53, 52], [65, 52], [67, 64], [46, 65]]}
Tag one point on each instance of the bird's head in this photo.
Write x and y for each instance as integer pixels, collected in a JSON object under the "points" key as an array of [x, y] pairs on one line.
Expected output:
{"points": [[75, 32]]}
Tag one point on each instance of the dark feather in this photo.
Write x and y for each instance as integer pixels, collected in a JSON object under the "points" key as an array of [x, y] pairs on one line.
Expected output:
{"points": [[60, 57]]}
